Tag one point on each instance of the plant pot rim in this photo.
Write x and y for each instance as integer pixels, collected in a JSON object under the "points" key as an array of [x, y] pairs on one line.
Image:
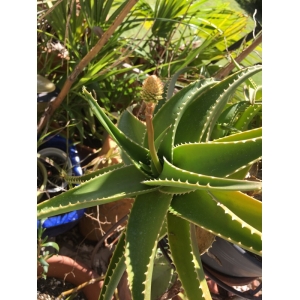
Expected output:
{"points": [[227, 279], [57, 145], [236, 262], [58, 153], [65, 268]]}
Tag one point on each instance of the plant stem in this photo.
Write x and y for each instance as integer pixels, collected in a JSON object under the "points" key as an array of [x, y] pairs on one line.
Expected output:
{"points": [[149, 115], [44, 179], [222, 73], [83, 63], [81, 286], [109, 231]]}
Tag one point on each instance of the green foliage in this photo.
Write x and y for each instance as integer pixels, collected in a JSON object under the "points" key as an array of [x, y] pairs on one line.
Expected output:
{"points": [[187, 33], [202, 182], [75, 29], [164, 37], [43, 252], [163, 275]]}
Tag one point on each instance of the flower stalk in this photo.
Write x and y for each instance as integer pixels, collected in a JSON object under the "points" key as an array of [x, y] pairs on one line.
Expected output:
{"points": [[152, 91], [149, 116]]}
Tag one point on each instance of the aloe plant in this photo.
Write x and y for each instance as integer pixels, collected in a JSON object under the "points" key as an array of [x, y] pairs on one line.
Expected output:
{"points": [[165, 36], [180, 177]]}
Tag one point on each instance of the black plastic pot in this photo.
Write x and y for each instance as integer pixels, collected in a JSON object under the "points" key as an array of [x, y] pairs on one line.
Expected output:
{"points": [[233, 261], [232, 266]]}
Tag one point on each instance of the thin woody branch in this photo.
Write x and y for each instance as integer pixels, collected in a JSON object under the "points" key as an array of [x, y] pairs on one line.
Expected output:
{"points": [[82, 64], [226, 70]]}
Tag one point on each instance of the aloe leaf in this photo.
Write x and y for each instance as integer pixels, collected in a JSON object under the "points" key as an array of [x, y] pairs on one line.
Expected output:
{"points": [[198, 207], [135, 130], [120, 183], [170, 114], [133, 150], [132, 127], [241, 172], [217, 159], [226, 120], [176, 187], [142, 234], [247, 116], [163, 276], [247, 208], [184, 259], [258, 93], [172, 176], [172, 82], [163, 230], [167, 114], [161, 137], [91, 175], [169, 88], [114, 271], [202, 114], [245, 135], [198, 264], [249, 134]]}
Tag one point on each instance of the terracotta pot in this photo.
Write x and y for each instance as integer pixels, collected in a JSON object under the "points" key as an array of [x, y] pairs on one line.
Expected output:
{"points": [[65, 268], [109, 214]]}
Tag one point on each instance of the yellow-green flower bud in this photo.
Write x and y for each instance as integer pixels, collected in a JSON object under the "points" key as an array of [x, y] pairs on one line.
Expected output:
{"points": [[152, 89]]}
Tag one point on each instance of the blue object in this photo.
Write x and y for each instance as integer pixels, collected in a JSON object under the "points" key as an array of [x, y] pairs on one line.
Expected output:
{"points": [[61, 223]]}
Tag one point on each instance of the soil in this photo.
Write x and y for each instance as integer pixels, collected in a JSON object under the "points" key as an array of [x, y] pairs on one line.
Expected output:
{"points": [[73, 244], [51, 288]]}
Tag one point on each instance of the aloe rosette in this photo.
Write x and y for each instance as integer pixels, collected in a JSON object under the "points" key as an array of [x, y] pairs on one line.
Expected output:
{"points": [[196, 177]]}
